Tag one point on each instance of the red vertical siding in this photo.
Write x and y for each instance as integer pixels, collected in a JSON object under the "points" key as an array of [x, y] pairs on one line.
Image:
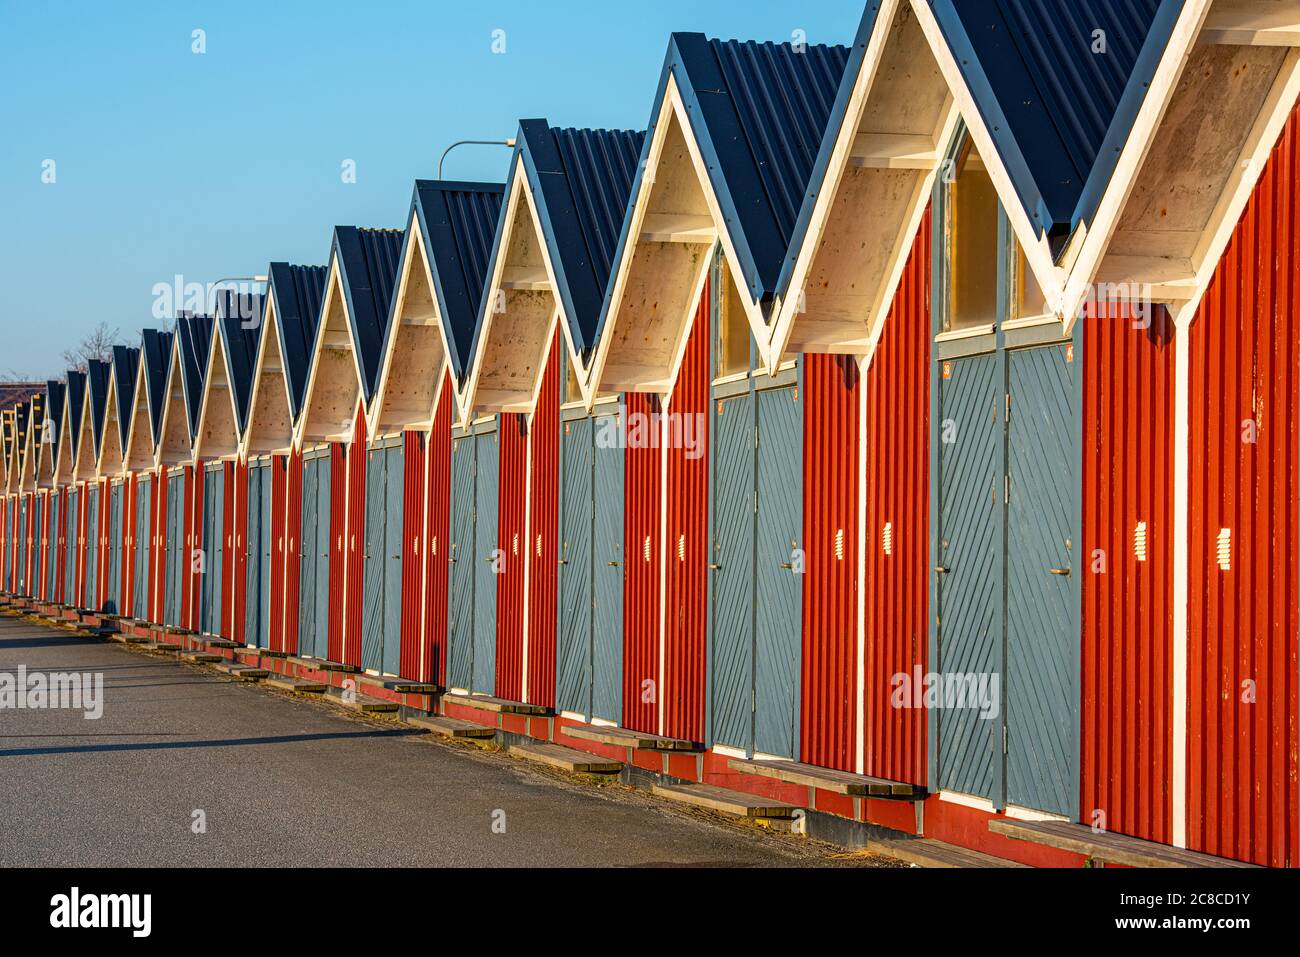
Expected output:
{"points": [[543, 532], [127, 603], [896, 625], [158, 513], [193, 536], [239, 562], [642, 488], [828, 712], [438, 456], [1127, 612], [512, 492], [101, 555], [293, 555], [228, 561], [83, 511], [687, 504], [279, 504], [1242, 619], [413, 547], [338, 552], [354, 566], [61, 558]]}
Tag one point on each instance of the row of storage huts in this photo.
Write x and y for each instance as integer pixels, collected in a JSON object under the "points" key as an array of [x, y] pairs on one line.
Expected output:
{"points": [[964, 356]]}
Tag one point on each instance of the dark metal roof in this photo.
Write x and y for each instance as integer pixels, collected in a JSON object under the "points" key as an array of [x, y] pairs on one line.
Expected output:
{"points": [[156, 354], [297, 292], [36, 420], [97, 394], [580, 180], [1058, 112], [194, 333], [55, 391], [76, 402], [20, 432], [758, 112], [368, 260], [126, 364], [240, 319], [458, 224]]}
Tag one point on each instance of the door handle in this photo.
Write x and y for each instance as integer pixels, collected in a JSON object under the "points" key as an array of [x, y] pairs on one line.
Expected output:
{"points": [[613, 564], [1061, 571], [941, 569], [715, 566], [789, 565]]}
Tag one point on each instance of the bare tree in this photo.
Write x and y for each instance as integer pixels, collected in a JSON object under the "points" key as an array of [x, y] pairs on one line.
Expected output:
{"points": [[98, 344]]}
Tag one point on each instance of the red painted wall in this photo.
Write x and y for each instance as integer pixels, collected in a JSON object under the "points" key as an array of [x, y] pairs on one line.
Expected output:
{"points": [[438, 458], [239, 561], [687, 504], [292, 530], [828, 711], [354, 544], [543, 532], [279, 507], [1242, 619], [338, 552], [158, 509], [896, 625], [642, 489], [414, 473], [512, 500]]}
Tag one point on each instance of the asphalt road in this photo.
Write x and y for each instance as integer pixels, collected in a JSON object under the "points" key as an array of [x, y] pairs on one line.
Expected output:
{"points": [[292, 782]]}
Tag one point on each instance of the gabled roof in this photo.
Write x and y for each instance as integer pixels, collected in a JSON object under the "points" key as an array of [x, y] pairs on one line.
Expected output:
{"points": [[18, 454], [733, 138], [7, 423], [155, 361], [93, 414], [354, 317], [32, 449], [74, 405], [194, 343], [182, 401], [51, 432], [892, 120], [281, 365], [556, 241], [124, 370], [228, 380], [146, 408], [448, 243]]}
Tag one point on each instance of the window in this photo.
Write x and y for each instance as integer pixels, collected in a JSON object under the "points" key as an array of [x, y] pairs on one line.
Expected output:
{"points": [[733, 330], [1029, 300], [572, 390], [972, 235]]}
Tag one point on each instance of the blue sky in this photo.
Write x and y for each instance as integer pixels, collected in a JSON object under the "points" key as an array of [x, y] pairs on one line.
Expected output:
{"points": [[209, 165]]}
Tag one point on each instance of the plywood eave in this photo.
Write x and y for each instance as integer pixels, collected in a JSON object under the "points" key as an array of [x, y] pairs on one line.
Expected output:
{"points": [[266, 379], [311, 426]]}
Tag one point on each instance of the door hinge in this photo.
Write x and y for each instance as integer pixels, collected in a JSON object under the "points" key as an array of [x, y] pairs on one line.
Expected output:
{"points": [[753, 700], [1006, 489], [1007, 412], [1004, 739]]}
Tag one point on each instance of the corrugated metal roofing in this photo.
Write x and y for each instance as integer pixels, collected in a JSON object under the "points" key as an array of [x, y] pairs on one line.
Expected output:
{"points": [[155, 353], [368, 260], [20, 432], [76, 399], [55, 391], [297, 292], [194, 334], [126, 363], [581, 180], [458, 223], [97, 394], [240, 319], [1058, 106]]}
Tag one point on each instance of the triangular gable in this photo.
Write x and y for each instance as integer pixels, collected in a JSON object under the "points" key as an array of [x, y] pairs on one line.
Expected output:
{"points": [[93, 410], [74, 403], [354, 315], [223, 409], [555, 247], [1222, 95], [440, 279], [48, 452], [279, 377], [1051, 92], [32, 443], [733, 139], [150, 388], [184, 392], [118, 406], [7, 423], [13, 470], [892, 120]]}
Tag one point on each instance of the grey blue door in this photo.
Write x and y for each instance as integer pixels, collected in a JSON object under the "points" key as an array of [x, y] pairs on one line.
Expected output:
{"points": [[210, 586], [589, 666], [756, 594], [112, 598], [381, 633], [38, 530], [257, 557], [471, 645], [22, 546], [55, 525], [143, 503], [92, 546], [969, 572], [313, 624], [1042, 657], [1006, 598], [72, 548], [174, 554]]}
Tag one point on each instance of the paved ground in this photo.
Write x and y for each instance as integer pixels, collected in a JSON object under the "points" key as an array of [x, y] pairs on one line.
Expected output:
{"points": [[293, 782]]}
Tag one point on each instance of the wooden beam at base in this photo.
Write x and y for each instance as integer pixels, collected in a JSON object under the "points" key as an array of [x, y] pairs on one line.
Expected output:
{"points": [[1169, 279], [526, 278], [893, 151], [1252, 23], [667, 228]]}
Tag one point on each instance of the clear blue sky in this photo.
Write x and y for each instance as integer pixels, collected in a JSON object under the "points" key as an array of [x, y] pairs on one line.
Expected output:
{"points": [[213, 165]]}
